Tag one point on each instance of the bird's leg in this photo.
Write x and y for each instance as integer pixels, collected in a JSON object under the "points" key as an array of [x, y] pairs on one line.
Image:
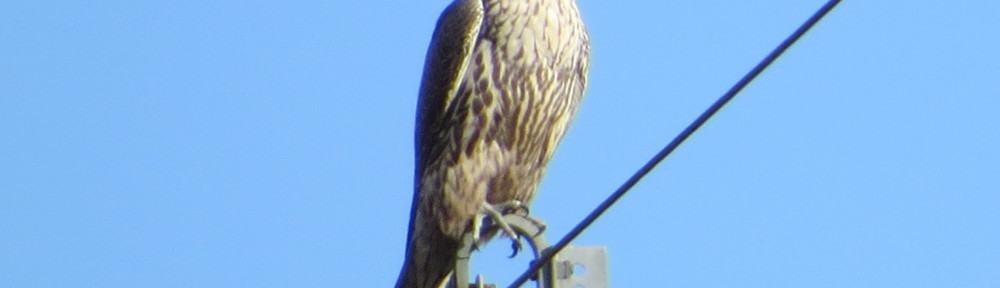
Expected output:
{"points": [[495, 213], [510, 207], [515, 206]]}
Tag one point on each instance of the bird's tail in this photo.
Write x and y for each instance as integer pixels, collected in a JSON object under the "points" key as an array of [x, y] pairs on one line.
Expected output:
{"points": [[430, 255]]}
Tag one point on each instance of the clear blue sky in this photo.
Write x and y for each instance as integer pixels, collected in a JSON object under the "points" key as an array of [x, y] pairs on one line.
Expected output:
{"points": [[266, 144]]}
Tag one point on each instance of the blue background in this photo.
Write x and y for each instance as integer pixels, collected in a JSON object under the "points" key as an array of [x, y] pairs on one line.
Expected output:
{"points": [[269, 144]]}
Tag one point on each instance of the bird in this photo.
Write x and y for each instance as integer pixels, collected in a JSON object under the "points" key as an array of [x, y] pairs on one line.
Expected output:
{"points": [[502, 81]]}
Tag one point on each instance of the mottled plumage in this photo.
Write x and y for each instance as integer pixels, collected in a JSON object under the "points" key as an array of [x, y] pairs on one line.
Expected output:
{"points": [[502, 81]]}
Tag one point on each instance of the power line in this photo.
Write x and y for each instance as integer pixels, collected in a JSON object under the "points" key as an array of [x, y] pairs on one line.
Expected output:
{"points": [[603, 207]]}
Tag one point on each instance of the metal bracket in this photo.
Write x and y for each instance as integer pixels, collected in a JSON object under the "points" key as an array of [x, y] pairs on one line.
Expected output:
{"points": [[582, 267], [573, 267]]}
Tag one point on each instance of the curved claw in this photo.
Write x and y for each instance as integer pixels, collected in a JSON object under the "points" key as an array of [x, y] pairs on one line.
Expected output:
{"points": [[495, 213], [515, 245]]}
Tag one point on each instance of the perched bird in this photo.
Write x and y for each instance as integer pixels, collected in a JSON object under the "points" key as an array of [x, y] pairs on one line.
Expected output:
{"points": [[501, 83]]}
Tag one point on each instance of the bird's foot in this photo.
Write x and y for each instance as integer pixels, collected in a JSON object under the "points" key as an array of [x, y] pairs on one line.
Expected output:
{"points": [[495, 214]]}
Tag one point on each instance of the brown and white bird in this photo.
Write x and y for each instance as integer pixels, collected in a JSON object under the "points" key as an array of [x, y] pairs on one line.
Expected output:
{"points": [[501, 83]]}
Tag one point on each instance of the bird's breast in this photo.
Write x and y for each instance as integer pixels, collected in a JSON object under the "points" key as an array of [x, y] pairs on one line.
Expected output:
{"points": [[546, 33]]}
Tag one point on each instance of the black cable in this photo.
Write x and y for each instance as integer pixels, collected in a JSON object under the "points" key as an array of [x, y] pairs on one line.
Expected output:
{"points": [[546, 257]]}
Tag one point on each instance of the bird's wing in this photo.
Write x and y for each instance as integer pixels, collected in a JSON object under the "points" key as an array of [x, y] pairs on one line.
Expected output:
{"points": [[447, 61]]}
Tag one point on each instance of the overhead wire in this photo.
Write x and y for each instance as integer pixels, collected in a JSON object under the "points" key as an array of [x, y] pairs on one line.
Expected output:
{"points": [[545, 258]]}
